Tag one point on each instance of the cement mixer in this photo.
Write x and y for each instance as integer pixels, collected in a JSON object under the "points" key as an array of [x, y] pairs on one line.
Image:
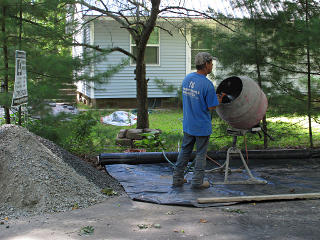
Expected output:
{"points": [[244, 104]]}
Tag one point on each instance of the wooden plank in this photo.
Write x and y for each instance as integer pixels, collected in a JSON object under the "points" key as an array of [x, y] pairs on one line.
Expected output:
{"points": [[259, 198]]}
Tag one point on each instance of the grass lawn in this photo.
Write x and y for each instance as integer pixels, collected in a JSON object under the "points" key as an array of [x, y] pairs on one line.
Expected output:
{"points": [[85, 135], [169, 122], [287, 132]]}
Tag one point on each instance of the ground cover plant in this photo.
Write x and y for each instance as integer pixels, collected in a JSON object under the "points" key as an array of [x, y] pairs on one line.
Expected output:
{"points": [[86, 136]]}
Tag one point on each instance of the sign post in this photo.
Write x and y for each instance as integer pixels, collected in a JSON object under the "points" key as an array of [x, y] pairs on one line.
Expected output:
{"points": [[20, 93]]}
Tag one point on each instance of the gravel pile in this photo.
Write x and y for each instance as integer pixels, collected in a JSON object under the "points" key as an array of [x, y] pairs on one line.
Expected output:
{"points": [[37, 176]]}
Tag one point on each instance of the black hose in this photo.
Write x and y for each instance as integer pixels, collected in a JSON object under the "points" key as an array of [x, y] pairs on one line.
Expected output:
{"points": [[158, 157]]}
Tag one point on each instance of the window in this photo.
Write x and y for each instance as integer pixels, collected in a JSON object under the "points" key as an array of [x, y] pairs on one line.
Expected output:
{"points": [[201, 41], [152, 50]]}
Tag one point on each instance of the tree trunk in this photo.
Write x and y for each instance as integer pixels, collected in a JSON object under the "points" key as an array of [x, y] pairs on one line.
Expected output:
{"points": [[142, 93], [264, 120], [309, 76], [142, 84], [20, 48], [309, 100], [6, 61]]}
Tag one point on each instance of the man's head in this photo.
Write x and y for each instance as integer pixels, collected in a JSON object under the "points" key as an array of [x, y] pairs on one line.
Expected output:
{"points": [[203, 61]]}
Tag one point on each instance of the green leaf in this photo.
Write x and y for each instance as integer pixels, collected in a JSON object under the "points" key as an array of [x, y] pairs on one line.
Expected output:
{"points": [[87, 230], [109, 192]]}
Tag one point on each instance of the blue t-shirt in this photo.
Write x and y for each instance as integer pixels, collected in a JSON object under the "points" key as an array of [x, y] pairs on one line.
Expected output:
{"points": [[198, 94]]}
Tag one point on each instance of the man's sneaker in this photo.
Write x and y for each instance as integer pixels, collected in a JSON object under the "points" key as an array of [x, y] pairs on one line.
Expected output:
{"points": [[204, 185]]}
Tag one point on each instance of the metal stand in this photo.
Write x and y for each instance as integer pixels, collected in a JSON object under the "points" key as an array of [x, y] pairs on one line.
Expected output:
{"points": [[235, 150]]}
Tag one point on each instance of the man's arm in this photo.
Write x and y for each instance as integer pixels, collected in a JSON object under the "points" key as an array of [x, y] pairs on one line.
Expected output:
{"points": [[220, 96]]}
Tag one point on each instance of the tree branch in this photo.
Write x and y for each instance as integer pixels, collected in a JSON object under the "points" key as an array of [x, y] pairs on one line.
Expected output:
{"points": [[291, 70], [199, 13], [109, 50]]}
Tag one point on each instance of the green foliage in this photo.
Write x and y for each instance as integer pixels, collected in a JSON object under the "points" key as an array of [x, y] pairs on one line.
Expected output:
{"points": [[5, 99], [291, 98], [80, 134], [51, 68], [80, 140], [287, 105], [179, 98], [15, 118], [218, 138], [161, 84], [109, 192], [152, 141], [201, 40], [84, 136], [276, 47], [49, 127], [233, 210], [169, 88], [170, 123], [87, 230]]}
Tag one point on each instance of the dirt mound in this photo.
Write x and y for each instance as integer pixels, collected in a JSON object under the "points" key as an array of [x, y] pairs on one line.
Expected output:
{"points": [[34, 180]]}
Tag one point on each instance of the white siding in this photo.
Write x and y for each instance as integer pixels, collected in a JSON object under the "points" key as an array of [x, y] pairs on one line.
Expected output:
{"points": [[78, 32], [82, 35], [87, 86], [172, 67]]}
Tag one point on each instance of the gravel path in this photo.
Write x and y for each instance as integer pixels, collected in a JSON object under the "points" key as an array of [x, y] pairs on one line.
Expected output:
{"points": [[37, 176]]}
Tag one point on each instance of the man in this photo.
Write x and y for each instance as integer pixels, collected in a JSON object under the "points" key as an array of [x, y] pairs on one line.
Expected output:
{"points": [[198, 97]]}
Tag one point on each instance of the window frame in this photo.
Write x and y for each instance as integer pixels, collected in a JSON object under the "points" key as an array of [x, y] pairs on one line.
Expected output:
{"points": [[193, 67], [133, 44]]}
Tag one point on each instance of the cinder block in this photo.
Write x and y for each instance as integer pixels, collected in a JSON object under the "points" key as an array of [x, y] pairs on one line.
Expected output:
{"points": [[124, 141], [134, 134], [122, 133], [148, 130]]}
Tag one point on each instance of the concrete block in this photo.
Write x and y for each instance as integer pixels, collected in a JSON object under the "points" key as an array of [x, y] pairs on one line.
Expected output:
{"points": [[148, 130], [124, 141], [122, 133], [134, 134]]}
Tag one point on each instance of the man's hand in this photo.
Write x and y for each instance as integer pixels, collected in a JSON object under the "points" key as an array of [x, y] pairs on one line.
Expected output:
{"points": [[220, 96]]}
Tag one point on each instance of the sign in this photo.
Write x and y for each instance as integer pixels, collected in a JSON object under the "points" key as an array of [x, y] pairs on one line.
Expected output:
{"points": [[20, 93]]}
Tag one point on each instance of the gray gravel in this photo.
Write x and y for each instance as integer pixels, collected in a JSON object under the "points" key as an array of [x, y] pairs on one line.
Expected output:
{"points": [[100, 178], [37, 176]]}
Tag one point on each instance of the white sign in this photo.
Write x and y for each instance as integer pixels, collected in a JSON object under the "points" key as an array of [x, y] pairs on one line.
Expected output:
{"points": [[20, 93]]}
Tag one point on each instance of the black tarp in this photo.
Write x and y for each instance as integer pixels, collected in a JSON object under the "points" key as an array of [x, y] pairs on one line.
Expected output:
{"points": [[152, 182]]}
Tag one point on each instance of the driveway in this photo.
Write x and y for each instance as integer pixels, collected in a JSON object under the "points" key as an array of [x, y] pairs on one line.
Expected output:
{"points": [[121, 218]]}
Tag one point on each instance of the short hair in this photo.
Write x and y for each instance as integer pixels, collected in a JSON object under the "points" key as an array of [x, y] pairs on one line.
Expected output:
{"points": [[200, 67], [201, 59]]}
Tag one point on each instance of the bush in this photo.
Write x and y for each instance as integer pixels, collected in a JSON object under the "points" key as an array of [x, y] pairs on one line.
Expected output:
{"points": [[80, 140], [152, 142]]}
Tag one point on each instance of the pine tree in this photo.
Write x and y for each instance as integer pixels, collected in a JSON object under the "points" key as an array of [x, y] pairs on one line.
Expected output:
{"points": [[277, 41], [296, 54], [50, 65], [8, 29], [244, 50]]}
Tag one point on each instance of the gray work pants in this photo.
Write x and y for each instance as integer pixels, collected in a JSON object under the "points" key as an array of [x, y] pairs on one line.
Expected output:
{"points": [[185, 154]]}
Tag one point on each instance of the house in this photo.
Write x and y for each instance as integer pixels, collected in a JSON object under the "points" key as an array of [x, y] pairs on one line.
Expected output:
{"points": [[168, 58]]}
